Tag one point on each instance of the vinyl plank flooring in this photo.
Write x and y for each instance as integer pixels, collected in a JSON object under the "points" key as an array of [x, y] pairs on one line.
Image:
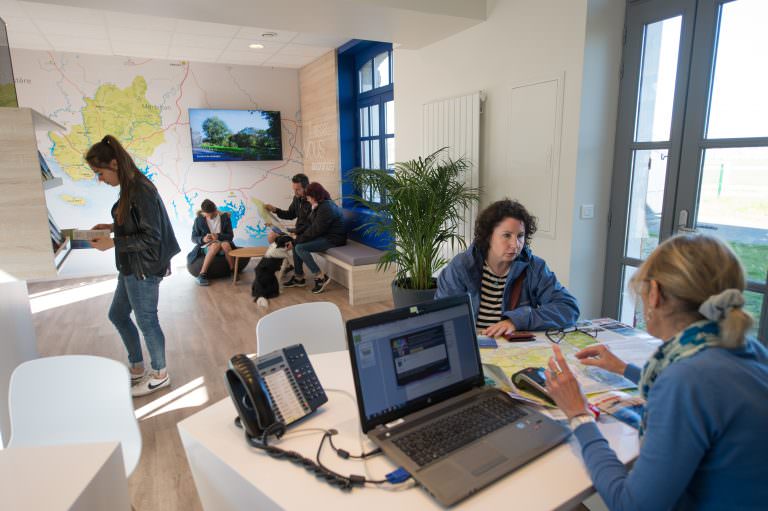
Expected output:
{"points": [[204, 327]]}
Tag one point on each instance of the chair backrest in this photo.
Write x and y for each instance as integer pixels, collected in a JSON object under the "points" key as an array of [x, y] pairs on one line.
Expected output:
{"points": [[74, 399], [316, 325]]}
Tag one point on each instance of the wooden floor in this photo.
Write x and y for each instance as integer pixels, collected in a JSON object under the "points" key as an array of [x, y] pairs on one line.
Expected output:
{"points": [[204, 327]]}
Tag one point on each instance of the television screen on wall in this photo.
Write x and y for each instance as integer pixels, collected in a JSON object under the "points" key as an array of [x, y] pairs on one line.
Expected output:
{"points": [[235, 135], [7, 85]]}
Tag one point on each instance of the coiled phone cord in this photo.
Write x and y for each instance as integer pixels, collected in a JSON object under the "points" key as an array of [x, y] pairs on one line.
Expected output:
{"points": [[316, 467]]}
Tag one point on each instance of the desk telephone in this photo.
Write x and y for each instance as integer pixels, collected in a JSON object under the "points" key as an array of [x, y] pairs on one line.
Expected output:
{"points": [[274, 390]]}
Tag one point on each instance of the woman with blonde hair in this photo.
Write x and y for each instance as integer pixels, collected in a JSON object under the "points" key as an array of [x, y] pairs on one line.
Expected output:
{"points": [[703, 432]]}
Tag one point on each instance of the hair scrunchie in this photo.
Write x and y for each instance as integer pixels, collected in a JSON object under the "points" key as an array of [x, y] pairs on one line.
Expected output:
{"points": [[717, 306]]}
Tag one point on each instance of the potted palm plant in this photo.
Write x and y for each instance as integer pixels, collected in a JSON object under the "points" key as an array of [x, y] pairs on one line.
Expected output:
{"points": [[421, 205]]}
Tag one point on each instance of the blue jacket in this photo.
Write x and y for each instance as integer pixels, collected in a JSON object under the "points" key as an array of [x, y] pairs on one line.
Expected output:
{"points": [[200, 229], [544, 302], [705, 445]]}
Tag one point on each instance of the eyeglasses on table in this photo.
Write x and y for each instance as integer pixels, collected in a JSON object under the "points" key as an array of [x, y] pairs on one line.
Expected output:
{"points": [[556, 335]]}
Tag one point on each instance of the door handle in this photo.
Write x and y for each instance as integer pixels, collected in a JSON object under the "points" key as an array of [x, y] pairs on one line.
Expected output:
{"points": [[682, 222]]}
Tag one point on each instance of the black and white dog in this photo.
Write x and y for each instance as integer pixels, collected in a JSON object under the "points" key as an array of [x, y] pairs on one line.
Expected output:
{"points": [[265, 283]]}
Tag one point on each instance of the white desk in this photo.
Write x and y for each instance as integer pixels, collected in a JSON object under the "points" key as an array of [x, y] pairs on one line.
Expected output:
{"points": [[230, 475], [77, 477]]}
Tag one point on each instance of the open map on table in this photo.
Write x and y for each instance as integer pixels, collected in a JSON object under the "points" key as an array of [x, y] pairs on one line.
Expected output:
{"points": [[630, 345]]}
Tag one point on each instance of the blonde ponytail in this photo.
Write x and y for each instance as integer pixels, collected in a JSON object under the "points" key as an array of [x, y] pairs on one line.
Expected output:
{"points": [[704, 277], [733, 328]]}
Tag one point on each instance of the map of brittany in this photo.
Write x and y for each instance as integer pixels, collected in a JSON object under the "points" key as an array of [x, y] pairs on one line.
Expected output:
{"points": [[124, 113]]}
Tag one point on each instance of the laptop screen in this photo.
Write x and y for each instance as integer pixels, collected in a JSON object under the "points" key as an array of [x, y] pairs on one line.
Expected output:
{"points": [[410, 358]]}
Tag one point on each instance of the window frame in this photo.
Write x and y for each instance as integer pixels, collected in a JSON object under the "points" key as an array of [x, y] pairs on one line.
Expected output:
{"points": [[351, 57]]}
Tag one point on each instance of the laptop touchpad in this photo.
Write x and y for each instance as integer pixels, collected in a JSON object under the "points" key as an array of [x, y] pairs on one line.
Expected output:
{"points": [[479, 458]]}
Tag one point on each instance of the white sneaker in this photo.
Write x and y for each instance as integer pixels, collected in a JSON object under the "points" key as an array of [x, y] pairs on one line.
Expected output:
{"points": [[136, 378], [149, 385], [262, 302]]}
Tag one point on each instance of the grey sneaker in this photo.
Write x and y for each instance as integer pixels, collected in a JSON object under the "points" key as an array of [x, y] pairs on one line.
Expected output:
{"points": [[202, 280], [149, 385]]}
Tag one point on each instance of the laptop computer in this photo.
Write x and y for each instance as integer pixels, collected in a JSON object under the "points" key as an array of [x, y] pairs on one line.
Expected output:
{"points": [[422, 400]]}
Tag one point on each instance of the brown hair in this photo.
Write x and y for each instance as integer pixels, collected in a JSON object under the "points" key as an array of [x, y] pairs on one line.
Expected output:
{"points": [[208, 206], [689, 269], [302, 179], [494, 214], [101, 154], [317, 192]]}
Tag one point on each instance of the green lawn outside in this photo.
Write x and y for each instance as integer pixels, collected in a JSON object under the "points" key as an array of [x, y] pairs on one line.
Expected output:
{"points": [[754, 258]]}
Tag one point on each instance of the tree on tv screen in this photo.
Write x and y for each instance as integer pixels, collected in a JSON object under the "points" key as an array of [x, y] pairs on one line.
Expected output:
{"points": [[248, 143], [216, 131]]}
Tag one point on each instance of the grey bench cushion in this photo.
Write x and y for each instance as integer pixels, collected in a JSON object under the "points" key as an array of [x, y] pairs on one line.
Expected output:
{"points": [[356, 254]]}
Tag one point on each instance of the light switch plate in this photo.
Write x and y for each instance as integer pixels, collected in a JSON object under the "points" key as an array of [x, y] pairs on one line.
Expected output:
{"points": [[587, 211]]}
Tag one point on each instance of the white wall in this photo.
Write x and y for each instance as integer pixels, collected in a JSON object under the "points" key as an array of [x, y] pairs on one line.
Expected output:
{"points": [[522, 41], [525, 41], [594, 166]]}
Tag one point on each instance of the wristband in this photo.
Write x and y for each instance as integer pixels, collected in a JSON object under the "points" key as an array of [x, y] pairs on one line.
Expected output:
{"points": [[577, 421]]}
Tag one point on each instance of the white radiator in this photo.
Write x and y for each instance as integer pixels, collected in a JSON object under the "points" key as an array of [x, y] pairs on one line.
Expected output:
{"points": [[455, 123]]}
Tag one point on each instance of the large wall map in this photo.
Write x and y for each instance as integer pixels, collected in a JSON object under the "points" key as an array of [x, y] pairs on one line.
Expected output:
{"points": [[144, 103]]}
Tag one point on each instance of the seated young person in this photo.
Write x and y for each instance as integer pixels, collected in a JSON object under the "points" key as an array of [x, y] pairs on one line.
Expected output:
{"points": [[511, 289], [325, 230], [299, 208], [212, 233], [702, 434]]}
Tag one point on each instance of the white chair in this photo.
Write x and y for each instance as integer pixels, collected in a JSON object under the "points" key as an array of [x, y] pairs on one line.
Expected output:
{"points": [[316, 325], [74, 399]]}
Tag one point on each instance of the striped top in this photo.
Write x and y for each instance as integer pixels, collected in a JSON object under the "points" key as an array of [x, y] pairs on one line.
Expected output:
{"points": [[491, 291]]}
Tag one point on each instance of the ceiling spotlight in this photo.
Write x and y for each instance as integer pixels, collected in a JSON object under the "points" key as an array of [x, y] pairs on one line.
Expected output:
{"points": [[269, 35], [256, 46]]}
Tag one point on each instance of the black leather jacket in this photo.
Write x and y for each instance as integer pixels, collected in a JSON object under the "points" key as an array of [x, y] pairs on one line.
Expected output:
{"points": [[144, 243]]}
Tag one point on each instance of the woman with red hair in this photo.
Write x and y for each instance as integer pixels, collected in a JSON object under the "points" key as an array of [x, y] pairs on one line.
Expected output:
{"points": [[326, 230]]}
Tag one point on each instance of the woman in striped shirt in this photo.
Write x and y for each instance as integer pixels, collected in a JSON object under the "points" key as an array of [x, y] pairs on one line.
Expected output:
{"points": [[511, 289]]}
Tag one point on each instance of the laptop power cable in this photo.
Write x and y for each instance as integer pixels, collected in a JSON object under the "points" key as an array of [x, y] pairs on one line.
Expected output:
{"points": [[344, 483]]}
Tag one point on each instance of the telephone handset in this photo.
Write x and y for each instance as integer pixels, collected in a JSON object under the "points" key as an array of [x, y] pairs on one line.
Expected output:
{"points": [[275, 390]]}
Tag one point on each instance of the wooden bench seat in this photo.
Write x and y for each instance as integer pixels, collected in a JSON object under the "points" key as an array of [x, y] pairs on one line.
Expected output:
{"points": [[354, 266]]}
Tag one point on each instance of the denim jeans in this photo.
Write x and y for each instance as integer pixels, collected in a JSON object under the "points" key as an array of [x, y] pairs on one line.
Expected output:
{"points": [[139, 296], [302, 253]]}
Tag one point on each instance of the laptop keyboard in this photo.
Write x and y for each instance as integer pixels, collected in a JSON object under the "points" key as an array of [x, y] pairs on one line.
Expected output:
{"points": [[454, 431]]}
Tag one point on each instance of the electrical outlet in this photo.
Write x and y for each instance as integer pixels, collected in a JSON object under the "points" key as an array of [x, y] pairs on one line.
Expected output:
{"points": [[587, 211]]}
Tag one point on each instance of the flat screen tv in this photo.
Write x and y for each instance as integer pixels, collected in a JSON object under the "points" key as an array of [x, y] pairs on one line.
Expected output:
{"points": [[235, 135]]}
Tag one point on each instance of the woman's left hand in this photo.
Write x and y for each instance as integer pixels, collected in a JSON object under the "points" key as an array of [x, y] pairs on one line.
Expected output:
{"points": [[102, 243], [563, 387], [504, 326]]}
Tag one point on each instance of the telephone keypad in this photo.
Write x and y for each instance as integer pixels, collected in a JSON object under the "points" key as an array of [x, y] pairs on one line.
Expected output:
{"points": [[305, 377]]}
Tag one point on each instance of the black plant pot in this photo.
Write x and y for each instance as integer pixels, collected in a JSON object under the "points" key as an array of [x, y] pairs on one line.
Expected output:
{"points": [[404, 297]]}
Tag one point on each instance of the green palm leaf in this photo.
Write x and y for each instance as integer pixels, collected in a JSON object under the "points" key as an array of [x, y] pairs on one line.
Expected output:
{"points": [[424, 203]]}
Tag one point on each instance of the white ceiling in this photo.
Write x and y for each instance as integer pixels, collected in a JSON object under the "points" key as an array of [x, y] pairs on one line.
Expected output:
{"points": [[221, 30], [40, 26]]}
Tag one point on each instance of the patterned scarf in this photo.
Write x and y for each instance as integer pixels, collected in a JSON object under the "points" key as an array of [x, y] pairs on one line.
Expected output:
{"points": [[695, 338]]}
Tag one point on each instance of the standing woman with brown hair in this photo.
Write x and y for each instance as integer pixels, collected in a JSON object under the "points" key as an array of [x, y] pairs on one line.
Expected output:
{"points": [[144, 245]]}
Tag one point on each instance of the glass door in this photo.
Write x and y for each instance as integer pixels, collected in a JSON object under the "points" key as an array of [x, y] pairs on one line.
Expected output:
{"points": [[692, 140], [725, 148], [655, 69]]}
